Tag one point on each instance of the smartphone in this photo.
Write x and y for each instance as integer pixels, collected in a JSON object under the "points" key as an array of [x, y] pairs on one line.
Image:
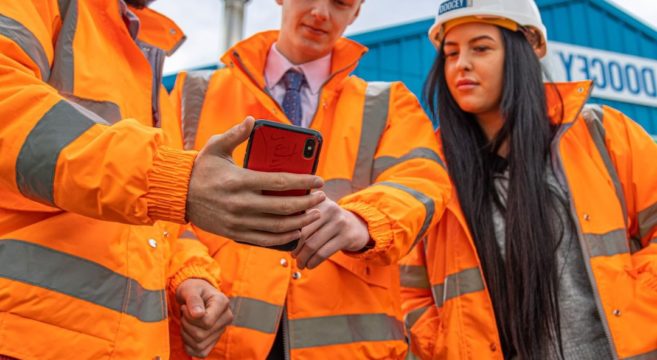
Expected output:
{"points": [[276, 147]]}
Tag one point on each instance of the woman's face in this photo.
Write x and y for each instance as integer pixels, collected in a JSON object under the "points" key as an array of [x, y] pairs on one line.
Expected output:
{"points": [[474, 66]]}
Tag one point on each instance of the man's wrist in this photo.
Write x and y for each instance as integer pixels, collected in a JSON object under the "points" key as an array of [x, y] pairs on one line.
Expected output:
{"points": [[370, 244], [363, 241]]}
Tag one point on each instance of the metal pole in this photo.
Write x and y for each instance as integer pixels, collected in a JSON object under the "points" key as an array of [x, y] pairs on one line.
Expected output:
{"points": [[233, 22]]}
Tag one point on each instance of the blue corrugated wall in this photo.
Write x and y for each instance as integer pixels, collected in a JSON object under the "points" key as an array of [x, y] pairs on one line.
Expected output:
{"points": [[598, 24]]}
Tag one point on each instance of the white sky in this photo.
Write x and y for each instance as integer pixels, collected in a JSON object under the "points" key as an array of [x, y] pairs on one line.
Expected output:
{"points": [[201, 20]]}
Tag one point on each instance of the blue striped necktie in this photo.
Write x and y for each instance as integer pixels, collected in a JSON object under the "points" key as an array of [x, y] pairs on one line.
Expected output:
{"points": [[292, 101]]}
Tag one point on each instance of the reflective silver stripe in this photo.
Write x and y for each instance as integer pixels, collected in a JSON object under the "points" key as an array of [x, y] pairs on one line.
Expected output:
{"points": [[647, 220], [188, 234], [109, 111], [609, 244], [593, 115], [413, 316], [414, 276], [62, 74], [384, 163], [428, 203], [344, 329], [28, 42], [654, 241], [255, 314], [375, 117], [336, 189], [155, 57], [193, 96], [555, 157], [79, 278], [37, 160], [464, 282], [652, 355]]}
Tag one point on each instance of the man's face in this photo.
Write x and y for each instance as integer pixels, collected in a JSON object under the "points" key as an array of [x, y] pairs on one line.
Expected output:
{"points": [[310, 28]]}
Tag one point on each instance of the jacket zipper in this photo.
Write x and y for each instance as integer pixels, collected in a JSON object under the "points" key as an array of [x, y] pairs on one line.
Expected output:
{"points": [[585, 250], [285, 333], [321, 88]]}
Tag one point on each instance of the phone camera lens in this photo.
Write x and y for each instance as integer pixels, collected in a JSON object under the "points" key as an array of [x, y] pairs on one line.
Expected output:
{"points": [[309, 148]]}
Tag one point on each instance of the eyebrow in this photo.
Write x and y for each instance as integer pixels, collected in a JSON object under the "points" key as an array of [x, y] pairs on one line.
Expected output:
{"points": [[482, 37]]}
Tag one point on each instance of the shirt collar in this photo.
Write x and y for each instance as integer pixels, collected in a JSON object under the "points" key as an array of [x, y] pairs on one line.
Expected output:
{"points": [[316, 71]]}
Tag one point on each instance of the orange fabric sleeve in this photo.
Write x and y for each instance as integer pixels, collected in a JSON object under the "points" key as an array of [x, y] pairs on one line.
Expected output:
{"points": [[410, 191]]}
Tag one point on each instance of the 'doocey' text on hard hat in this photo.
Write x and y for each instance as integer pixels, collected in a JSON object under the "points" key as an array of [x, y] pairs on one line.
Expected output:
{"points": [[615, 76]]}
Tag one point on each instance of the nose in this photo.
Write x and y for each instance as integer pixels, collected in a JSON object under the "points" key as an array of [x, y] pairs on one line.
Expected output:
{"points": [[320, 10], [463, 62]]}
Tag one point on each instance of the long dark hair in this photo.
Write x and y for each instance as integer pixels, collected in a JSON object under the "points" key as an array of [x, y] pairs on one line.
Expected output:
{"points": [[523, 285]]}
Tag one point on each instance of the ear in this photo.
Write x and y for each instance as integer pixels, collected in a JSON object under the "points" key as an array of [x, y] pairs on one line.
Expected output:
{"points": [[536, 41], [540, 47]]}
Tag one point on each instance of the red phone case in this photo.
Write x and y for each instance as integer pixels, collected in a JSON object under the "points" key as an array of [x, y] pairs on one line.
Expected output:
{"points": [[275, 147]]}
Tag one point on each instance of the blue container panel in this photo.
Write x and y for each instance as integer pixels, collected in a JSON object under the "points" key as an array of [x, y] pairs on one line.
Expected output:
{"points": [[597, 24], [402, 53]]}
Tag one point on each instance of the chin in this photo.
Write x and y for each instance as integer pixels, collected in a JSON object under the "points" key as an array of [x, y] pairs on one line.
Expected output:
{"points": [[469, 107], [312, 49]]}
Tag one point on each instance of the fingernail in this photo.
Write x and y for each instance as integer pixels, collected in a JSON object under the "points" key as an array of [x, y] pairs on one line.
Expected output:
{"points": [[198, 309], [318, 183]]}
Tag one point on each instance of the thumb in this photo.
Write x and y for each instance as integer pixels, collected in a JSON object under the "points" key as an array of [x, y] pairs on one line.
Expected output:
{"points": [[195, 305], [224, 144]]}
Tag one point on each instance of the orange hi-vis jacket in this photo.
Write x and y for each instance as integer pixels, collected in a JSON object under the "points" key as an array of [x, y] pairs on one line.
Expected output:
{"points": [[86, 173], [378, 159], [607, 164]]}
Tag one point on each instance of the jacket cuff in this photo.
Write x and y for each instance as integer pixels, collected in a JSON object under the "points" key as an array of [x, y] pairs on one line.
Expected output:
{"points": [[378, 225], [168, 184], [191, 272]]}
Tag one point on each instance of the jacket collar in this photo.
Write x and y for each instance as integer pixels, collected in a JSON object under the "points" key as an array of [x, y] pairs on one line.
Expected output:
{"points": [[250, 55], [158, 30], [569, 97]]}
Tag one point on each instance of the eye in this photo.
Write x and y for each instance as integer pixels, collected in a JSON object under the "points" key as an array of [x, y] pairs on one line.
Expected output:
{"points": [[450, 53], [481, 48]]}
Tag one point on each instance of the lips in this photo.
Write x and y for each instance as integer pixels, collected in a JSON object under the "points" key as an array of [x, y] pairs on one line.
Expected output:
{"points": [[466, 84], [315, 30]]}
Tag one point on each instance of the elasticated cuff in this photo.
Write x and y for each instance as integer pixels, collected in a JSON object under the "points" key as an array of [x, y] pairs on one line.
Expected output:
{"points": [[191, 272], [378, 226], [169, 183]]}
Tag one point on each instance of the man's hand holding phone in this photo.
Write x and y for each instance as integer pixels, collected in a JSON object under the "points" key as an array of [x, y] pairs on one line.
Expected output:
{"points": [[228, 200], [276, 147]]}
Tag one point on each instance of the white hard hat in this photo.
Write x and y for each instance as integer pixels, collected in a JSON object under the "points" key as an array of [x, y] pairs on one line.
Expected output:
{"points": [[522, 12]]}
